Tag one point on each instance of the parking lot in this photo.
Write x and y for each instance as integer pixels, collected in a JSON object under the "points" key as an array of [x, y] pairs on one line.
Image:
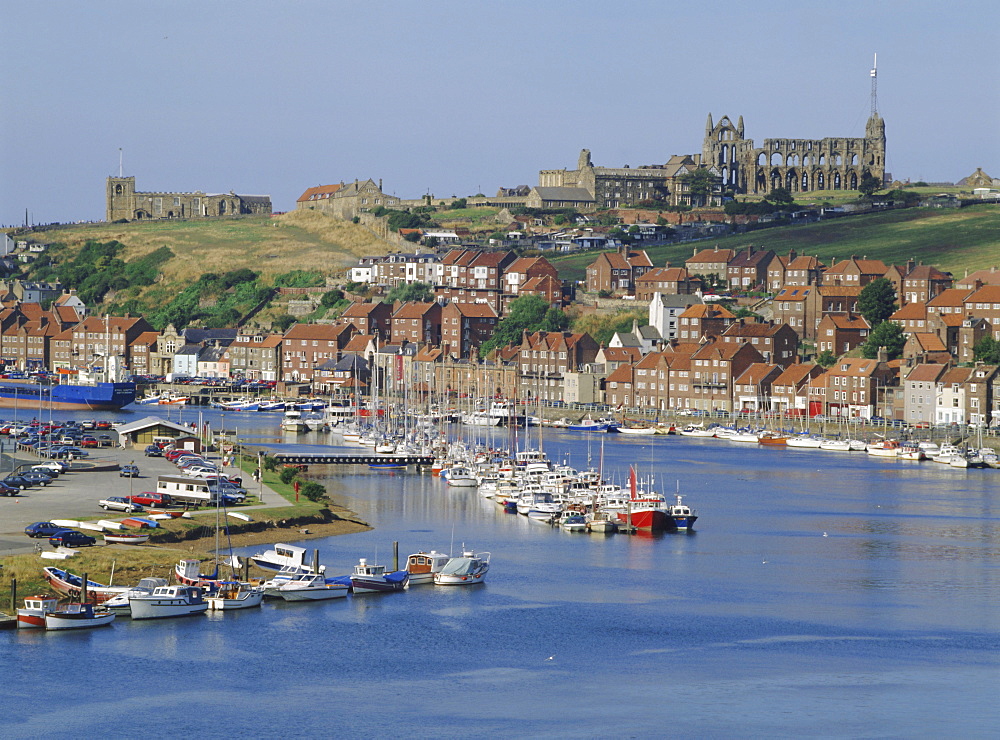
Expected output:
{"points": [[74, 495]]}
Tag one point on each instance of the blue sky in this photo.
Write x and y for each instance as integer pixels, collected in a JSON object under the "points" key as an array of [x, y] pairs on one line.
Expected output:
{"points": [[456, 98]]}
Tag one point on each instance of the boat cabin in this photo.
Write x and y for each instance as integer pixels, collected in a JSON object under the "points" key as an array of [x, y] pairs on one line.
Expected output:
{"points": [[426, 562]]}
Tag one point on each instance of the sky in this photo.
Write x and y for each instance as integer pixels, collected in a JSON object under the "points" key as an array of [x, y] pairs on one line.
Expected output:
{"points": [[456, 98]]}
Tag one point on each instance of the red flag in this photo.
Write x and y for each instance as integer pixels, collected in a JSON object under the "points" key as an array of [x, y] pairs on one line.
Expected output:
{"points": [[631, 481]]}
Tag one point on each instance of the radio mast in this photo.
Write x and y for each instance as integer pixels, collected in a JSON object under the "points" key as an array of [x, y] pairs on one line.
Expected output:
{"points": [[874, 75]]}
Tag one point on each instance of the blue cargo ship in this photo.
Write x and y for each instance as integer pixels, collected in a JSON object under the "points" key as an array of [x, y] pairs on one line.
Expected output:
{"points": [[69, 396]]}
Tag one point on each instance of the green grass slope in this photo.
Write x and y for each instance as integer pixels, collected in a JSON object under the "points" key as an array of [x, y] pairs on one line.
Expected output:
{"points": [[953, 240]]}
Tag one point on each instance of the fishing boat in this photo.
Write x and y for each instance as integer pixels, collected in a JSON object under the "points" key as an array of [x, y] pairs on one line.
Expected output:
{"points": [[168, 601], [374, 579], [681, 515], [292, 421], [32, 614], [423, 565], [588, 424], [462, 477], [884, 448], [188, 572], [77, 616], [120, 604], [66, 583], [910, 451], [465, 570]]}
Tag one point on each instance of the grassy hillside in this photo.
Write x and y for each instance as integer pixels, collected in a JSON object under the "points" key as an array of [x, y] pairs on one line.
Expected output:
{"points": [[295, 240], [952, 239]]}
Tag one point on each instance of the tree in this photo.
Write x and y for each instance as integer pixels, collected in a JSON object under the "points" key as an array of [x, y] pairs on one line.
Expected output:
{"points": [[700, 184], [527, 313], [888, 334], [877, 301], [281, 322], [826, 358], [331, 298], [458, 204], [869, 185], [987, 350], [780, 197], [313, 491], [420, 292]]}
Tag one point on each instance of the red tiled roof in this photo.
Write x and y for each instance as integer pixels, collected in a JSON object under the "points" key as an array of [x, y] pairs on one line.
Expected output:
{"points": [[320, 192]]}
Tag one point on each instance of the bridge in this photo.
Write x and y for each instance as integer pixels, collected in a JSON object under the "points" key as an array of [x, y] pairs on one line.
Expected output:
{"points": [[317, 458]]}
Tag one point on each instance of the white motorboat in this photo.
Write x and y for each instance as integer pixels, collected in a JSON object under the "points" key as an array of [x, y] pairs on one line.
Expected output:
{"points": [[309, 587], [293, 422], [462, 477], [602, 522], [284, 556], [423, 565], [120, 604], [699, 430], [836, 445], [573, 521], [168, 601], [466, 570], [235, 595]]}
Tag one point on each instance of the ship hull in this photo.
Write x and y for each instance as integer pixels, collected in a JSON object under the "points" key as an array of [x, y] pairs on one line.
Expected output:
{"points": [[70, 397]]}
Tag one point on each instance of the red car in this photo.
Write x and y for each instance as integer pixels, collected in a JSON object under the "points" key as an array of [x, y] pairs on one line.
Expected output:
{"points": [[89, 442], [148, 498]]}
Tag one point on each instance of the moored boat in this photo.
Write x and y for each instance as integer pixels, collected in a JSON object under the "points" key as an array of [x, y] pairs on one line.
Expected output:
{"points": [[465, 570], [77, 616], [423, 565], [310, 587], [32, 614], [283, 556], [168, 601], [374, 579], [120, 604]]}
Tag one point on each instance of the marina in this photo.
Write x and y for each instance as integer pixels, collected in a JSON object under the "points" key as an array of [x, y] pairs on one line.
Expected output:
{"points": [[817, 571]]}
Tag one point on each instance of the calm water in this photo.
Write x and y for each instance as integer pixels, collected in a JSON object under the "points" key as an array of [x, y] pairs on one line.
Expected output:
{"points": [[823, 594]]}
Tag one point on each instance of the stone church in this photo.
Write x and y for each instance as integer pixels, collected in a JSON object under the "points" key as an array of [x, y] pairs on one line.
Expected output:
{"points": [[795, 164], [124, 202]]}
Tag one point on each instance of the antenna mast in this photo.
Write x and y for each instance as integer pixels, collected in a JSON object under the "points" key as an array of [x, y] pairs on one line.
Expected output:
{"points": [[874, 75], [119, 162]]}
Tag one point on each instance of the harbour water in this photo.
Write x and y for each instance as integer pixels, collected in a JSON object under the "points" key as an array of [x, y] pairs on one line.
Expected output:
{"points": [[822, 594]]}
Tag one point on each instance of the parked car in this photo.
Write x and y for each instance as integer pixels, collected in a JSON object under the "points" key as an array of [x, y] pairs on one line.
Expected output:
{"points": [[104, 440], [118, 503], [42, 529], [148, 498], [18, 481], [89, 442], [129, 471], [75, 452], [51, 466], [71, 538], [153, 451], [37, 477], [6, 490]]}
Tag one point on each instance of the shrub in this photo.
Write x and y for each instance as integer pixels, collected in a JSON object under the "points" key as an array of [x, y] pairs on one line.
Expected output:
{"points": [[313, 491], [287, 475]]}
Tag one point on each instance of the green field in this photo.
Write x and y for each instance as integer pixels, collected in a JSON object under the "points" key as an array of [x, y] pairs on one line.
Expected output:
{"points": [[954, 240]]}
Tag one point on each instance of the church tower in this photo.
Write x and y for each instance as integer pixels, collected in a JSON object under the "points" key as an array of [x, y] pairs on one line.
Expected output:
{"points": [[120, 198]]}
